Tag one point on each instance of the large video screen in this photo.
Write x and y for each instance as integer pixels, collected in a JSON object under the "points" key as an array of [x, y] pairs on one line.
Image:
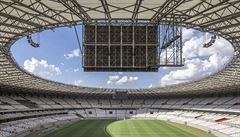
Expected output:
{"points": [[120, 47]]}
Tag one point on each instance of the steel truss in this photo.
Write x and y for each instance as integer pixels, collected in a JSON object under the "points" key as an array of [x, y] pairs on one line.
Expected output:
{"points": [[170, 37]]}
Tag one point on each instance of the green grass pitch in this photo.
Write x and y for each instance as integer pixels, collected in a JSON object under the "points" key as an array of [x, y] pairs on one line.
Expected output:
{"points": [[125, 128]]}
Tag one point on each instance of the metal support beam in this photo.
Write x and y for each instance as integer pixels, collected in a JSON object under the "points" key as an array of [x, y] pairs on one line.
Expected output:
{"points": [[166, 8], [14, 26], [210, 16], [10, 32], [77, 9], [203, 4], [3, 41], [220, 20], [45, 10], [136, 9], [11, 17], [3, 37], [228, 26], [30, 17], [121, 8], [232, 32], [106, 9]]}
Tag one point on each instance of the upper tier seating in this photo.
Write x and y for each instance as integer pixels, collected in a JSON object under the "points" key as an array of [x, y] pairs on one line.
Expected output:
{"points": [[33, 102]]}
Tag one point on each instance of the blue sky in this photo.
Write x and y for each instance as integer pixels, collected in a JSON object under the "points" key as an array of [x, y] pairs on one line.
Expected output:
{"points": [[58, 59]]}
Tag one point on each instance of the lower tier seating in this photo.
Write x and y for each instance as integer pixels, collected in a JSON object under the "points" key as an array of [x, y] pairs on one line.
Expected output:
{"points": [[14, 128]]}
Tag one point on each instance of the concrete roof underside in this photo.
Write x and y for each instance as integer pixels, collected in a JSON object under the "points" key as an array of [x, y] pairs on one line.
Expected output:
{"points": [[19, 18]]}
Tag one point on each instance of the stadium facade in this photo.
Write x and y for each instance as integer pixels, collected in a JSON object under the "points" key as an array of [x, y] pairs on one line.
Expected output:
{"points": [[204, 102]]}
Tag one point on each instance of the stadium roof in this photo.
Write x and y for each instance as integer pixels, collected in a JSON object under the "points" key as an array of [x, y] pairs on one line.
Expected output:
{"points": [[19, 18]]}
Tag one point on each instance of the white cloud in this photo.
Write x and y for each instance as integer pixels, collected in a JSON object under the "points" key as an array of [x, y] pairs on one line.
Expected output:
{"points": [[76, 70], [126, 79], [187, 33], [132, 79], [120, 73], [200, 62], [194, 48], [150, 86], [116, 79], [78, 82], [112, 79], [122, 80], [41, 68], [109, 82], [72, 54]]}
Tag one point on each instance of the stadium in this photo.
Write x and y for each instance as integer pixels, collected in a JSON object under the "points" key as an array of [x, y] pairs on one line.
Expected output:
{"points": [[120, 36]]}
